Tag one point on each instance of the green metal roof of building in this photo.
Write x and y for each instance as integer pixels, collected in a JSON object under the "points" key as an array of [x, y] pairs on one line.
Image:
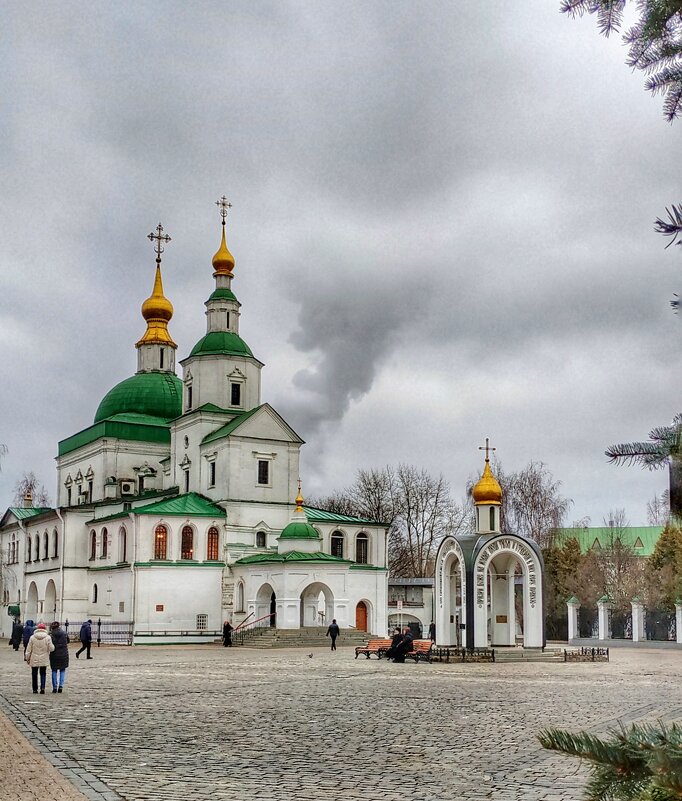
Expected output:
{"points": [[121, 426], [23, 513], [221, 342], [228, 428], [190, 505], [299, 530], [322, 516], [223, 294], [292, 556], [642, 539], [152, 394]]}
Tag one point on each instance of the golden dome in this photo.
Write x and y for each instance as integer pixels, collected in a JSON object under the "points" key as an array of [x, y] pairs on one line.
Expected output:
{"points": [[487, 489], [223, 261], [157, 310], [299, 498]]}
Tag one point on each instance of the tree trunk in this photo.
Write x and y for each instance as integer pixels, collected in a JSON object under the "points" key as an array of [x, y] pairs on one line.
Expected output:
{"points": [[676, 487]]}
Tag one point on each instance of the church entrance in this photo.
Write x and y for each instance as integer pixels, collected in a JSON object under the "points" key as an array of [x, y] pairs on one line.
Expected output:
{"points": [[266, 604], [361, 616], [317, 605], [273, 611]]}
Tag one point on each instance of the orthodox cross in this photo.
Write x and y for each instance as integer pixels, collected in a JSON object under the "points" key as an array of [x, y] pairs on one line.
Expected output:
{"points": [[487, 449], [223, 205], [160, 237]]}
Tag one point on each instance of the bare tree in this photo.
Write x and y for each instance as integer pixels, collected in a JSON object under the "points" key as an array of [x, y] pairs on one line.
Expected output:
{"points": [[658, 509], [29, 484]]}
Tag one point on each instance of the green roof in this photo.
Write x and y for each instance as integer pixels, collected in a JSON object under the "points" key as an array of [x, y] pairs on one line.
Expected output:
{"points": [[190, 505], [299, 530], [642, 539], [22, 513], [322, 516], [221, 342], [291, 556], [228, 428], [121, 426], [223, 294], [152, 394]]}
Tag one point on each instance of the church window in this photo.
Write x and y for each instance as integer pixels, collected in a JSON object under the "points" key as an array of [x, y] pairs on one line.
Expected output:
{"points": [[596, 544], [186, 441], [202, 622], [161, 355], [105, 544], [187, 543], [492, 518], [337, 544], [361, 548], [240, 597], [46, 545], [639, 543], [260, 539], [160, 542], [37, 547], [55, 544], [189, 396], [140, 484], [211, 474], [28, 550], [235, 394], [186, 480], [89, 491], [68, 496], [263, 471], [122, 544], [212, 544], [94, 593], [93, 545]]}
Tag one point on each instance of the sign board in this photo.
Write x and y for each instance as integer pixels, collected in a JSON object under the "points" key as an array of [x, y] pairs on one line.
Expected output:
{"points": [[500, 618]]}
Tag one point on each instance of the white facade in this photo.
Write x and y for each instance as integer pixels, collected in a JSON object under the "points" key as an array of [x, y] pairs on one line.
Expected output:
{"points": [[174, 484]]}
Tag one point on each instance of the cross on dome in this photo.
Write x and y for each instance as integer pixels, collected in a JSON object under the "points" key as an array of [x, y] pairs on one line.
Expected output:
{"points": [[487, 449], [160, 237], [223, 205]]}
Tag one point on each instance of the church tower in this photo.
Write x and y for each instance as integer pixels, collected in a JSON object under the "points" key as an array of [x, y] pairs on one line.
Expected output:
{"points": [[487, 495], [221, 369]]}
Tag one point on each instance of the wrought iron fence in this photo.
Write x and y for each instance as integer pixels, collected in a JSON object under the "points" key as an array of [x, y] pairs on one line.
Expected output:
{"points": [[118, 632], [660, 624]]}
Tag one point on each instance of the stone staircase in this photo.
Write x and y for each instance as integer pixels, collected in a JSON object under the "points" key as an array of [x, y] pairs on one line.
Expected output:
{"points": [[528, 655], [311, 637]]}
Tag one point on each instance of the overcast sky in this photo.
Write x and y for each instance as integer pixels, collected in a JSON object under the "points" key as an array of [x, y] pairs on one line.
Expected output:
{"points": [[442, 225]]}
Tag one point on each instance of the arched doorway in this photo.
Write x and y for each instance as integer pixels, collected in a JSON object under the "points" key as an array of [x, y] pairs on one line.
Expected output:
{"points": [[32, 602], [273, 610], [450, 593], [317, 605], [50, 608], [266, 604], [361, 616]]}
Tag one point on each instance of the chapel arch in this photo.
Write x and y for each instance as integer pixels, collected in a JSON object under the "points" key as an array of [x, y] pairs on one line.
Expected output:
{"points": [[50, 607], [450, 600], [32, 602], [266, 603], [317, 605]]}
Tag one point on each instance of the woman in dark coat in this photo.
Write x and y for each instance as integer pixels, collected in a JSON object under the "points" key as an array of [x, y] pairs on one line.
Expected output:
{"points": [[29, 628], [17, 634], [59, 658]]}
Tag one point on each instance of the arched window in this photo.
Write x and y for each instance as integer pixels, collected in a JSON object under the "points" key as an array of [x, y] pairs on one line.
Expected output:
{"points": [[37, 547], [261, 539], [28, 550], [187, 543], [361, 548], [212, 544], [94, 593], [55, 544], [46, 545], [122, 544], [492, 518], [240, 597], [93, 545], [337, 544], [160, 542], [105, 544]]}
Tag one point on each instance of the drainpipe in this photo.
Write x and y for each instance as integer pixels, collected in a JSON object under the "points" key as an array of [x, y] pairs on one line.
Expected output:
{"points": [[61, 567], [133, 601]]}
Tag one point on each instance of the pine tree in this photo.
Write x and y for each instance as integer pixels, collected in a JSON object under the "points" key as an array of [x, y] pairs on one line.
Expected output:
{"points": [[642, 763]]}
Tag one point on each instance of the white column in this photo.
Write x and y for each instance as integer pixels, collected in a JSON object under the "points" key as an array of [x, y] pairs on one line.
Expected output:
{"points": [[678, 620], [573, 605], [604, 606], [637, 620]]}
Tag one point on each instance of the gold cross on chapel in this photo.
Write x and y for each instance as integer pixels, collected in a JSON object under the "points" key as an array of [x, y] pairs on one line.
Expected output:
{"points": [[160, 237], [487, 449], [223, 205]]}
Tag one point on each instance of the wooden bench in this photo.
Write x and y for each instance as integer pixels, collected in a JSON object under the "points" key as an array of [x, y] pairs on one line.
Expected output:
{"points": [[421, 649], [376, 647]]}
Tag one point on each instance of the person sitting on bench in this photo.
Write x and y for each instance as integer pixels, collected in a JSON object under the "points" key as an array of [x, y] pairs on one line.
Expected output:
{"points": [[397, 637], [404, 646]]}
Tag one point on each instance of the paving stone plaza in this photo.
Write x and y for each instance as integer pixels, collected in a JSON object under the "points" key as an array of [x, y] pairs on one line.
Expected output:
{"points": [[211, 723]]}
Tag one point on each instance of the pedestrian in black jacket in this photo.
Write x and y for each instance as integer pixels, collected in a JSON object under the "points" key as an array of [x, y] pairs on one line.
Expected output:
{"points": [[59, 658], [17, 634], [405, 645], [85, 638], [29, 628], [333, 631], [227, 634], [395, 641]]}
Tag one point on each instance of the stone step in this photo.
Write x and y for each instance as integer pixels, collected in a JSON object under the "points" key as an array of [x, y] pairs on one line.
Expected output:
{"points": [[528, 655]]}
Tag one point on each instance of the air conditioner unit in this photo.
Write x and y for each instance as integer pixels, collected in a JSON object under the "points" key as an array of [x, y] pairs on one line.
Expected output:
{"points": [[127, 487]]}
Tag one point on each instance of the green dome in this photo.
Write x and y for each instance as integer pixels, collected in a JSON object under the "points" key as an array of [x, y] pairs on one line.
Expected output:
{"points": [[154, 394], [221, 342], [298, 530]]}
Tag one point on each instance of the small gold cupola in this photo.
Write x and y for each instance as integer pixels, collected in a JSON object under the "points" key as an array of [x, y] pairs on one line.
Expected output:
{"points": [[487, 490], [223, 261], [157, 310], [299, 499]]}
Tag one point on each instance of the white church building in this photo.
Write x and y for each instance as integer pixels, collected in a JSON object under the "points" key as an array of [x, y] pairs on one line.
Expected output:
{"points": [[175, 508]]}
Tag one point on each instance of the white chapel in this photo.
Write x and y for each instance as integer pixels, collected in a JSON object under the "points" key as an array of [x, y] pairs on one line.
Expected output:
{"points": [[175, 508]]}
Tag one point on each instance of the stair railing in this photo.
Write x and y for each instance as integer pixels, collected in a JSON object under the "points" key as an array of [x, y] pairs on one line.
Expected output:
{"points": [[254, 628]]}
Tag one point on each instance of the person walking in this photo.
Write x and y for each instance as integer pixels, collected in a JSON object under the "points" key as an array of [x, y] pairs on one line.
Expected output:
{"points": [[59, 658], [333, 631], [432, 631], [17, 634], [38, 651], [227, 634], [85, 637], [29, 628]]}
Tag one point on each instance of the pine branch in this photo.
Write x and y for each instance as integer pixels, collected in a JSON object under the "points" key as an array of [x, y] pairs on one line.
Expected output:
{"points": [[671, 227]]}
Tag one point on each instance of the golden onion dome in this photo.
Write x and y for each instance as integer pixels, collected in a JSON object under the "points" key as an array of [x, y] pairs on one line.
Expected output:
{"points": [[157, 310], [299, 499], [487, 489], [223, 261]]}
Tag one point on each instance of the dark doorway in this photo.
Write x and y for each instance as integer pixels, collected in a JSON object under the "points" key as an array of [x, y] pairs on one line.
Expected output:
{"points": [[273, 610]]}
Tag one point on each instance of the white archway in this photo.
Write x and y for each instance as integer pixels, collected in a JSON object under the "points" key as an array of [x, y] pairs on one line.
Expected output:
{"points": [[494, 593], [32, 602], [50, 606], [317, 605], [266, 603], [450, 593]]}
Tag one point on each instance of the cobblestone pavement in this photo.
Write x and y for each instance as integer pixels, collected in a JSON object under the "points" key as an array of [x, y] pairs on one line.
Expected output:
{"points": [[202, 723]]}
